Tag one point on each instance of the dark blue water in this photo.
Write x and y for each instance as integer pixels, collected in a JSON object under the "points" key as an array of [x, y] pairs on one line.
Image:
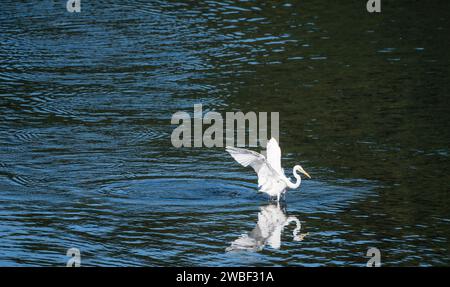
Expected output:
{"points": [[86, 159]]}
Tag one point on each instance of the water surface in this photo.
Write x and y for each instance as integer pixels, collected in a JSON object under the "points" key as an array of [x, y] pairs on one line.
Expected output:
{"points": [[85, 153]]}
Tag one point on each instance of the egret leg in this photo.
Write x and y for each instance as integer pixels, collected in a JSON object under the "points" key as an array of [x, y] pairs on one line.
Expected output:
{"points": [[278, 197], [283, 207]]}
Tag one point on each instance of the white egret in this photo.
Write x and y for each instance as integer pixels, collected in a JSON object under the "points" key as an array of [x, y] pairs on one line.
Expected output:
{"points": [[271, 177]]}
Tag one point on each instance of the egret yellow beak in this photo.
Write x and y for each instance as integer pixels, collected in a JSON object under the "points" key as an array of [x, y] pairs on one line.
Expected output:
{"points": [[307, 174]]}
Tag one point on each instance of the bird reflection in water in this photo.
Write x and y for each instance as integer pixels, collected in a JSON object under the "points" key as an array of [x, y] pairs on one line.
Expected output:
{"points": [[272, 220]]}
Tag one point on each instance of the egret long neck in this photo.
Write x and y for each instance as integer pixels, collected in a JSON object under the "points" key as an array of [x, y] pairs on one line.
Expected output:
{"points": [[297, 183]]}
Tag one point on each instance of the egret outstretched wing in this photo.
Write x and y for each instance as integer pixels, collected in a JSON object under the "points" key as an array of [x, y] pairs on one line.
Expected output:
{"points": [[266, 174], [274, 155]]}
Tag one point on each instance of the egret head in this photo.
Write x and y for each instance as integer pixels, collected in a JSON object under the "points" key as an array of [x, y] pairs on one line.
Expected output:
{"points": [[300, 169]]}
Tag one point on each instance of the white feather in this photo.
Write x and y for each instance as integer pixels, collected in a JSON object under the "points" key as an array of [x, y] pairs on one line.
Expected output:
{"points": [[274, 155], [266, 174]]}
